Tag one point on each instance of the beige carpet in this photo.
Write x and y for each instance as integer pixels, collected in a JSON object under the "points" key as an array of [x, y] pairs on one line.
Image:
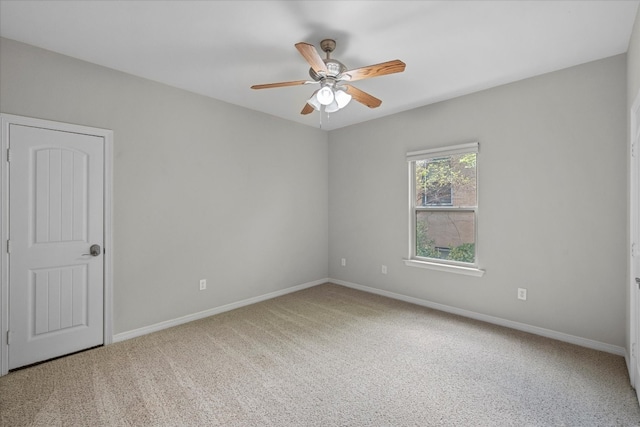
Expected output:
{"points": [[326, 356]]}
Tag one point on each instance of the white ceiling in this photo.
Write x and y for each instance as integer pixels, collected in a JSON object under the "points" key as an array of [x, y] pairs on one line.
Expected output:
{"points": [[221, 48]]}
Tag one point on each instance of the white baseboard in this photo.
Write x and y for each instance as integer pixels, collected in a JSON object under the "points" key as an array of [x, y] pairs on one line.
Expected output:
{"points": [[560, 336], [202, 314]]}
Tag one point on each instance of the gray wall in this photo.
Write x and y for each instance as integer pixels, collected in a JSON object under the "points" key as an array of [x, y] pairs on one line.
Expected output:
{"points": [[633, 61], [202, 189], [552, 200], [633, 86]]}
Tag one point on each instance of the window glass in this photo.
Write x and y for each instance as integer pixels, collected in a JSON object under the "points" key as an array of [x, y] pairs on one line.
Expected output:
{"points": [[444, 205], [446, 235]]}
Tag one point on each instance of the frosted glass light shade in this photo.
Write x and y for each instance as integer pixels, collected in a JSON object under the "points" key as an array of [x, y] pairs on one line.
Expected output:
{"points": [[325, 96], [332, 107], [333, 99], [313, 101], [342, 98]]}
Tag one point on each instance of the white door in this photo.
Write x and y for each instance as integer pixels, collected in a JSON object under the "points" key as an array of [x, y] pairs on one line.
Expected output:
{"points": [[56, 185]]}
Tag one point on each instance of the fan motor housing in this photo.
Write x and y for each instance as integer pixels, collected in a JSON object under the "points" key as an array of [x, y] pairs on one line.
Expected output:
{"points": [[334, 68]]}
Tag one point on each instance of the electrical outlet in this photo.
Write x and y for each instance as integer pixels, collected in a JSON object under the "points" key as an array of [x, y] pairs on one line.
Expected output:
{"points": [[343, 262], [203, 284], [384, 269], [522, 294]]}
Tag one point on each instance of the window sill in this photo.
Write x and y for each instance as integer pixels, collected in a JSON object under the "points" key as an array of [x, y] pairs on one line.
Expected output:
{"points": [[467, 271]]}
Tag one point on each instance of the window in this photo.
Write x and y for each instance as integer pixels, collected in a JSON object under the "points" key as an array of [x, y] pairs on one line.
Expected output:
{"points": [[444, 206]]}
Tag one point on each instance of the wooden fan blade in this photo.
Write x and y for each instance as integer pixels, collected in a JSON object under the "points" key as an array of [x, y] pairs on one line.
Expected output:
{"points": [[389, 67], [281, 84], [307, 109], [311, 55], [363, 97]]}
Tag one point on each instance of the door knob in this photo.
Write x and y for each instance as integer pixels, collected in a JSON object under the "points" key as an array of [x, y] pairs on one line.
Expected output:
{"points": [[94, 250]]}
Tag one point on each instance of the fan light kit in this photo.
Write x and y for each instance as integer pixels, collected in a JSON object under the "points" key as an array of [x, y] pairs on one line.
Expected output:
{"points": [[335, 91]]}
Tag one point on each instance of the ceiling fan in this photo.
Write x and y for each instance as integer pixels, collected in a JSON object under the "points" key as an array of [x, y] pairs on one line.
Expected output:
{"points": [[335, 91]]}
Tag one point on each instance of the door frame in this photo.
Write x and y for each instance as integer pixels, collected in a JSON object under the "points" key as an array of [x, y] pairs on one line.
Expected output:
{"points": [[107, 135], [634, 237]]}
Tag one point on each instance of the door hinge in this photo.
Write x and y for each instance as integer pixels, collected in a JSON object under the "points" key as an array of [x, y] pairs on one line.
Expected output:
{"points": [[8, 154], [633, 249], [8, 246], [8, 337]]}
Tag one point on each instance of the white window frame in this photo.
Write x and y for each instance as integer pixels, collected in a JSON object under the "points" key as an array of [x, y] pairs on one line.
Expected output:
{"points": [[471, 269]]}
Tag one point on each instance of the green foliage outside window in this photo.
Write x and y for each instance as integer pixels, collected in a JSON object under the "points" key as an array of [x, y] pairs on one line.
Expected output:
{"points": [[464, 253], [435, 178], [425, 247]]}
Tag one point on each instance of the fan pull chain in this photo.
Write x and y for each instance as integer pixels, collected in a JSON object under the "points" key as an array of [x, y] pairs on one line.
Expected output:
{"points": [[323, 113]]}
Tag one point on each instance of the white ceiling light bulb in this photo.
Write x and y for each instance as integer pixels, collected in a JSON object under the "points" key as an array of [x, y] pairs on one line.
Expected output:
{"points": [[342, 98], [325, 96]]}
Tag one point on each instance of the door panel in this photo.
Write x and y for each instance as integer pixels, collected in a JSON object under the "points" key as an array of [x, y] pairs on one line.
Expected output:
{"points": [[56, 184], [60, 195], [60, 297]]}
